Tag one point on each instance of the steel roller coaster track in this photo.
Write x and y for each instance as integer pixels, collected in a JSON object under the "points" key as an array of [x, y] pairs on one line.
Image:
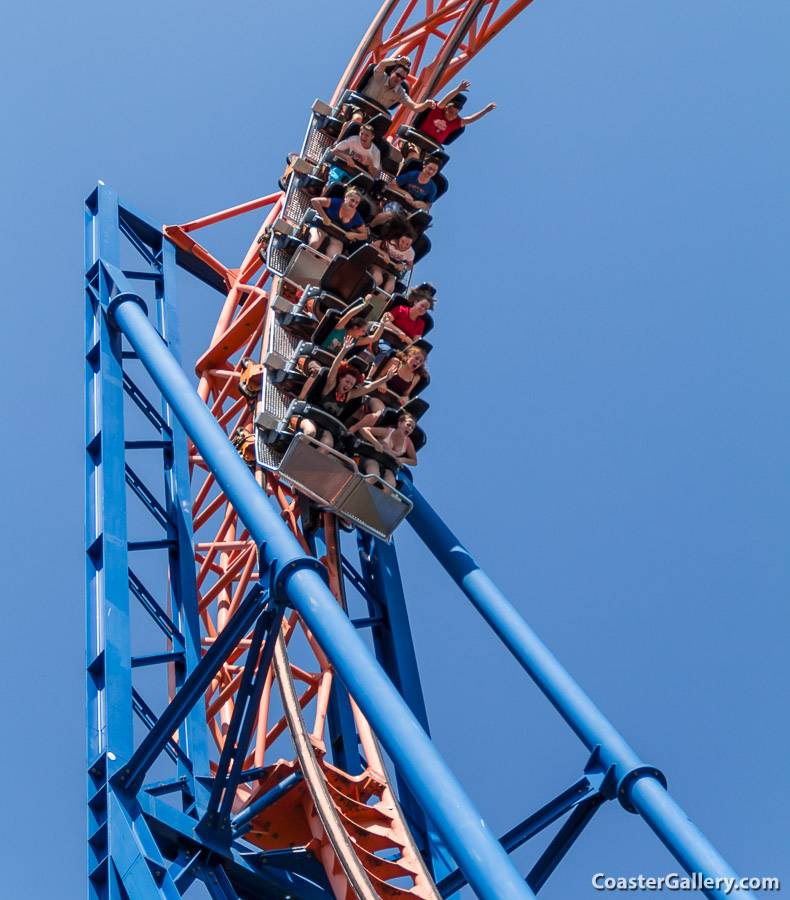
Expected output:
{"points": [[213, 599]]}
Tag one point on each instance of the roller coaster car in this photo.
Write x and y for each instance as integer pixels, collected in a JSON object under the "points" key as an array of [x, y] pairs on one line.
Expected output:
{"points": [[374, 111], [358, 177], [303, 172], [306, 266], [427, 318], [389, 397], [243, 440], [440, 180], [336, 191], [391, 337], [327, 475], [365, 77], [312, 394], [325, 120], [312, 219], [421, 246], [334, 481], [347, 279]]}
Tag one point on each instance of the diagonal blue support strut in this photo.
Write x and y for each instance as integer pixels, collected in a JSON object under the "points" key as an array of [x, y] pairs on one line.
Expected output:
{"points": [[640, 788], [476, 850]]}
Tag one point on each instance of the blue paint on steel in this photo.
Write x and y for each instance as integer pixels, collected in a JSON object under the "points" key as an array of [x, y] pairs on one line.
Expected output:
{"points": [[192, 690], [392, 641], [174, 829], [527, 829], [240, 823], [109, 683], [242, 723], [394, 648], [563, 841], [152, 607], [108, 651], [476, 850], [343, 740], [640, 788]]}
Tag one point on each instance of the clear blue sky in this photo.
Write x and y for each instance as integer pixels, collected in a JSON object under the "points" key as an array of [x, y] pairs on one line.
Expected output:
{"points": [[608, 431]]}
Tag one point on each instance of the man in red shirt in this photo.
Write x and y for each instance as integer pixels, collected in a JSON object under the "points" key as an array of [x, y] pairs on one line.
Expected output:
{"points": [[446, 118]]}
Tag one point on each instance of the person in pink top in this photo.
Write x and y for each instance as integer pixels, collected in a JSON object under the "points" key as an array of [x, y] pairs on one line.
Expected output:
{"points": [[396, 442], [395, 247], [446, 118]]}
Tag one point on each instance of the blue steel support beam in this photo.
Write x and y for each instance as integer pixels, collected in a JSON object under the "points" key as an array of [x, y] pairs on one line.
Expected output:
{"points": [[563, 841], [394, 648], [527, 829], [194, 734], [343, 743], [641, 788], [475, 848], [248, 698]]}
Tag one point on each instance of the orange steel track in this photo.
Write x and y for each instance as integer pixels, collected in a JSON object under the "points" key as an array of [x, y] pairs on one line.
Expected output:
{"points": [[346, 821]]}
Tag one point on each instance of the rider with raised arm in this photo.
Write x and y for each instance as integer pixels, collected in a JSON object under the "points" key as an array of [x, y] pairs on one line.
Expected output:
{"points": [[446, 118], [385, 86], [350, 325], [344, 383]]}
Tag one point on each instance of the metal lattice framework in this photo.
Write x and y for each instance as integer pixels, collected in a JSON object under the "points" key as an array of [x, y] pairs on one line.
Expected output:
{"points": [[226, 630]]}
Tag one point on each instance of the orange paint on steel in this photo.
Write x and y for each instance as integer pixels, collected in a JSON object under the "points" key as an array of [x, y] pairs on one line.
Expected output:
{"points": [[239, 210], [233, 336], [233, 566], [182, 240], [371, 38], [244, 580], [209, 511]]}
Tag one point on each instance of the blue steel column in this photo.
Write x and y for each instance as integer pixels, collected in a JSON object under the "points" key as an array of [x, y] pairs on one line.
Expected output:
{"points": [[640, 788], [475, 848], [394, 647], [110, 740], [182, 564]]}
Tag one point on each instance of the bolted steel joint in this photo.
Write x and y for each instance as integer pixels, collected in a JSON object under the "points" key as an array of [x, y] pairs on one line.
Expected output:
{"points": [[118, 299], [279, 574], [628, 781]]}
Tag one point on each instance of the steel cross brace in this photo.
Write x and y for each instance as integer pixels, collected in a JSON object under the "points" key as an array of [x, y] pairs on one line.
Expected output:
{"points": [[216, 820], [564, 840], [580, 792], [152, 607], [250, 609]]}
